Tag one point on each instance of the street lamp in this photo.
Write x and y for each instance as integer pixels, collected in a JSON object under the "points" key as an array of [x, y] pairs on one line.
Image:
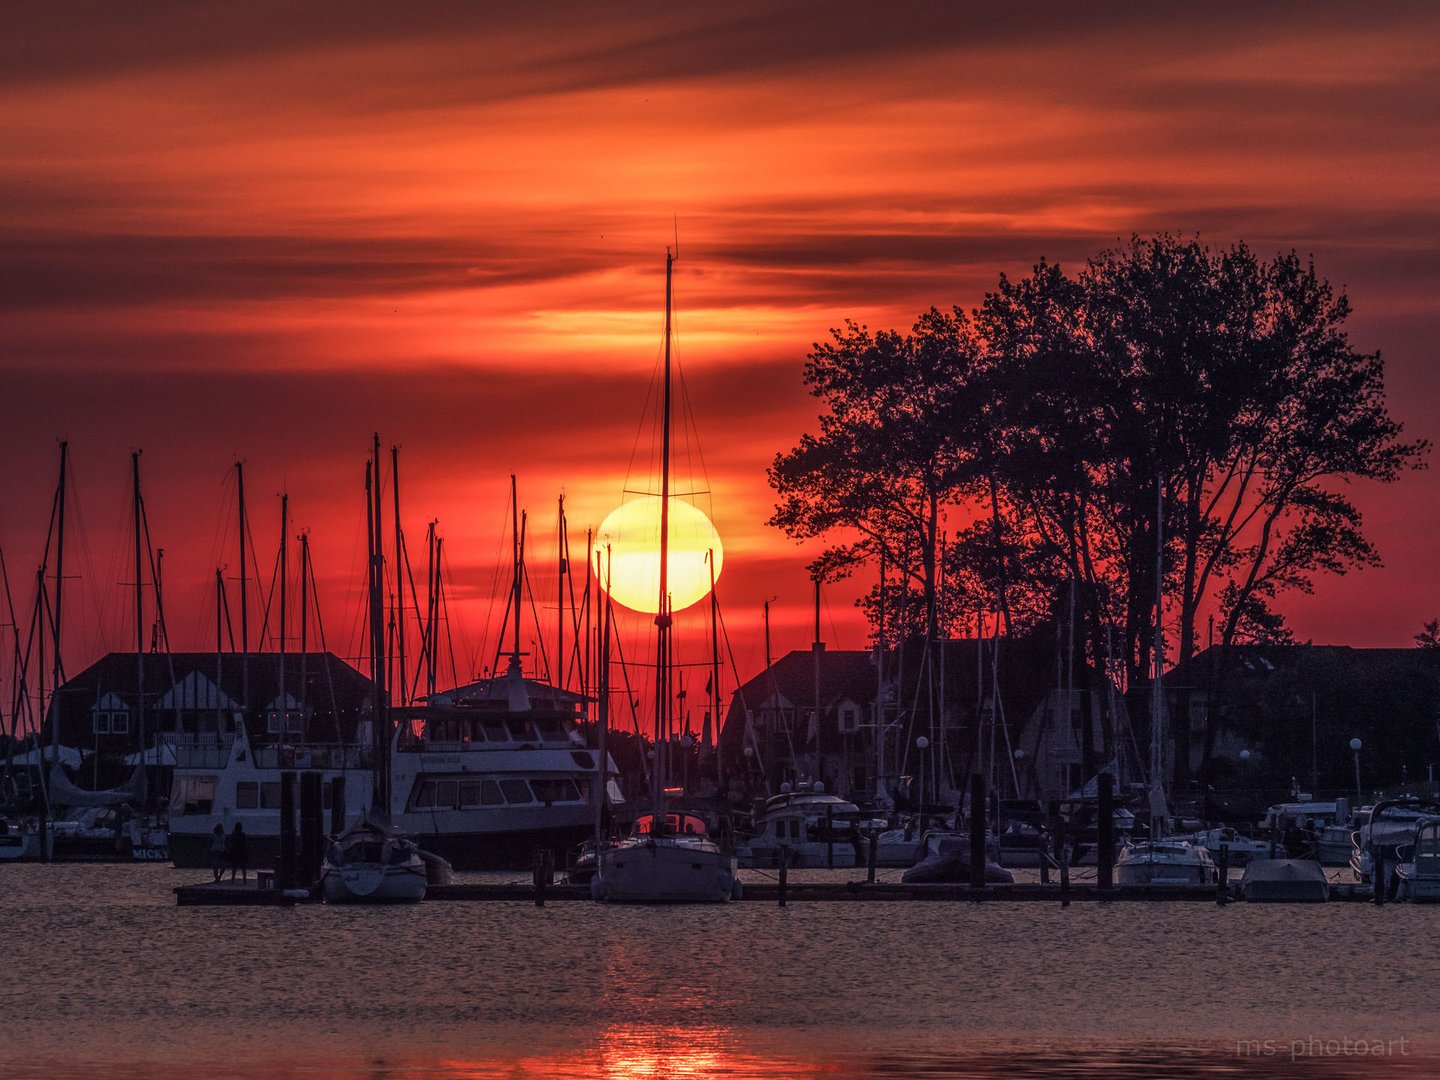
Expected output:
{"points": [[1355, 745]]}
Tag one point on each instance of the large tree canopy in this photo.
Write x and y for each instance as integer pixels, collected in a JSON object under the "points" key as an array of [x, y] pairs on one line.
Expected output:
{"points": [[1209, 391]]}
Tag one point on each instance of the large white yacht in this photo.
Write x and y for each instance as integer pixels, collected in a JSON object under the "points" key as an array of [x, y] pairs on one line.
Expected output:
{"points": [[481, 776]]}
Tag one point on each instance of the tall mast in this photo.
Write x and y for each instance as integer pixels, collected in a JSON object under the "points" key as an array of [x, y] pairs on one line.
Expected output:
{"points": [[58, 675], [244, 598], [563, 568], [139, 626], [380, 796], [663, 618], [516, 571], [602, 691], [399, 583], [304, 624], [1158, 802], [284, 564]]}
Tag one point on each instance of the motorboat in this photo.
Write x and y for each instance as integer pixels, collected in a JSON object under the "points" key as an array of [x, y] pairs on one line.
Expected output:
{"points": [[372, 862], [20, 840], [1387, 830], [1165, 862], [1289, 881], [1419, 879], [674, 861], [1335, 844], [810, 828], [1242, 849]]}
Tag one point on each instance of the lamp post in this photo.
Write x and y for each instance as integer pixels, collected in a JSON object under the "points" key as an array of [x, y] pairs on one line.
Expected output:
{"points": [[921, 744], [1355, 745]]}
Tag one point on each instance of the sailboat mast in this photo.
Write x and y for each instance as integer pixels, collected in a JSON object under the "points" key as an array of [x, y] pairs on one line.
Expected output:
{"points": [[662, 617], [244, 596], [399, 582], [139, 625], [1157, 706], [562, 565], [304, 625], [381, 794], [516, 571], [58, 676], [284, 565]]}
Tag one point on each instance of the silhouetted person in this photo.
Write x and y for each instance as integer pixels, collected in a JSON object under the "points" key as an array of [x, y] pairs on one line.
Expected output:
{"points": [[239, 857], [217, 851]]}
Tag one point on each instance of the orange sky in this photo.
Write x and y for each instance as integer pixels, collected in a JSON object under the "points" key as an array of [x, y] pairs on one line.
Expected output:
{"points": [[232, 230]]}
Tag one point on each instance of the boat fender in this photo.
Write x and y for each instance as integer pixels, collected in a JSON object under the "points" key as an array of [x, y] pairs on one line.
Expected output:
{"points": [[737, 890], [597, 888]]}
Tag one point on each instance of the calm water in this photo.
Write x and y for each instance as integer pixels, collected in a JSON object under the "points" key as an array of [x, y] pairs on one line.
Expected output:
{"points": [[105, 977]]}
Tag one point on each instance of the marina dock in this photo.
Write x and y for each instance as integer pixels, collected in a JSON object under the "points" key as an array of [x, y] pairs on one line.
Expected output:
{"points": [[250, 894]]}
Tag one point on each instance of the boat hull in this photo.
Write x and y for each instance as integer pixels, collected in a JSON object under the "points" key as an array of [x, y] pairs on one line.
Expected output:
{"points": [[369, 883], [665, 872], [1285, 881], [464, 851]]}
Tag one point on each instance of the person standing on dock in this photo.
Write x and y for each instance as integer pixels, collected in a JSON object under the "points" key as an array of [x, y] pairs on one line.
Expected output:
{"points": [[217, 851], [238, 855]]}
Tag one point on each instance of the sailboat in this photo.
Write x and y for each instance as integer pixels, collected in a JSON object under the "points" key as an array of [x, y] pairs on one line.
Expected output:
{"points": [[669, 856], [372, 861]]}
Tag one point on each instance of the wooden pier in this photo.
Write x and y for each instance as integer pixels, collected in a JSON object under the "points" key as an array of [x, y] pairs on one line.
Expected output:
{"points": [[257, 894]]}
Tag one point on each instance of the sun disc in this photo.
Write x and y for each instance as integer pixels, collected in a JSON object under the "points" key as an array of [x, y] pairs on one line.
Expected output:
{"points": [[632, 534]]}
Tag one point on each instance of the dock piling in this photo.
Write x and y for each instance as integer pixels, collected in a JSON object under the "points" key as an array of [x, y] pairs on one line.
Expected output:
{"points": [[784, 872], [1063, 858], [285, 867], [977, 831], [311, 826], [1105, 840], [872, 852], [829, 838]]}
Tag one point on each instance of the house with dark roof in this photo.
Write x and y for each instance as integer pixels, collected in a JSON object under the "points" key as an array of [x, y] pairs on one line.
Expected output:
{"points": [[856, 720], [122, 699], [1283, 716]]}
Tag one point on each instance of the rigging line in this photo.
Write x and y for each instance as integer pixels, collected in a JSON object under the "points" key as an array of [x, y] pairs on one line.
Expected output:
{"points": [[324, 649], [449, 636]]}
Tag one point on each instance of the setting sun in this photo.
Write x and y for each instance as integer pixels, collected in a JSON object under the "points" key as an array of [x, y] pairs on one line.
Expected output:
{"points": [[632, 533]]}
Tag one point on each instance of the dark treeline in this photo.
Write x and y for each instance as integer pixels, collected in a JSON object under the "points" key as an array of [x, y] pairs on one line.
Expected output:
{"points": [[1014, 460]]}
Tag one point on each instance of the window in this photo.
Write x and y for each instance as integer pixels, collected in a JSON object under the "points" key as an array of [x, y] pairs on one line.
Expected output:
{"points": [[446, 792], [476, 729], [247, 795], [516, 791], [548, 791], [552, 730], [469, 792], [523, 731], [119, 723], [495, 730], [102, 723], [270, 795], [193, 794], [490, 794], [425, 794], [849, 720]]}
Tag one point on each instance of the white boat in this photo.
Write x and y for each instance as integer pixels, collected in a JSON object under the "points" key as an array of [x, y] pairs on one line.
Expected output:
{"points": [[482, 777], [810, 828], [1164, 862], [1420, 877], [1387, 830], [675, 863], [1336, 843], [1242, 849], [669, 857], [20, 841], [372, 863]]}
